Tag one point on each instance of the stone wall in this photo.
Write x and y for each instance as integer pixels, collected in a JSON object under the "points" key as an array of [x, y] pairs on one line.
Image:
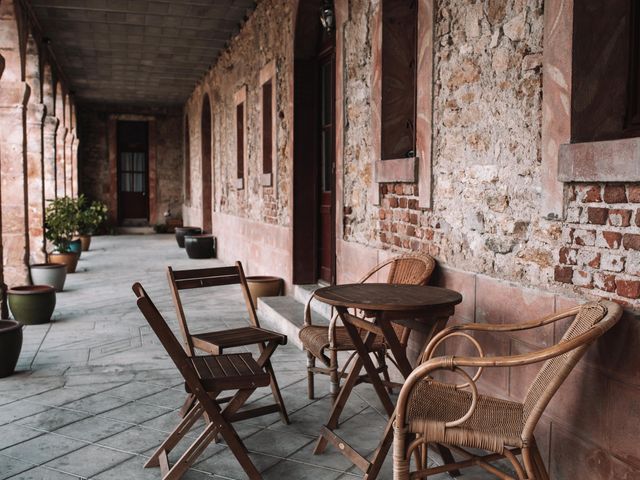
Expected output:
{"points": [[97, 179]]}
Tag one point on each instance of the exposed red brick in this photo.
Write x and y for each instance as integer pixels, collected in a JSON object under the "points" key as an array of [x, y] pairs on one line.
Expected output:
{"points": [[411, 230], [597, 215], [567, 256], [638, 217], [633, 193], [383, 189], [615, 194], [393, 202], [584, 237], [413, 204], [592, 195], [604, 281], [381, 214], [628, 288], [631, 241], [619, 217], [403, 202], [563, 274], [413, 218], [398, 189], [429, 234], [613, 239], [396, 240]]}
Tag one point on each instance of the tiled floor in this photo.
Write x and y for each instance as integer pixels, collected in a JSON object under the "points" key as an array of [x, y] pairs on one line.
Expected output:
{"points": [[96, 393]]}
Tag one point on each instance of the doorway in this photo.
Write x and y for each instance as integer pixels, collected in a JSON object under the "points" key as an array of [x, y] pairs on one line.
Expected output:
{"points": [[133, 168], [314, 216]]}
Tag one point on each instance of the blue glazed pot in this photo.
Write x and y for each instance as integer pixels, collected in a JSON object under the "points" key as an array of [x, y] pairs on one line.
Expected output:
{"points": [[75, 246]]}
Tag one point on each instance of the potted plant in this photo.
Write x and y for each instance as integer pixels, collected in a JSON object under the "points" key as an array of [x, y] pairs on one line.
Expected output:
{"points": [[52, 274], [10, 346], [91, 215], [32, 304], [264, 286], [61, 224]]}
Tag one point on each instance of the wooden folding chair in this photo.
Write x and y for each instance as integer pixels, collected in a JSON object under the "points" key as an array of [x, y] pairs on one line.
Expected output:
{"points": [[215, 343], [205, 377]]}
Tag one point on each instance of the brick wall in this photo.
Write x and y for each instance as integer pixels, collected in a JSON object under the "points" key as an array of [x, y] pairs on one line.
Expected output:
{"points": [[600, 251]]}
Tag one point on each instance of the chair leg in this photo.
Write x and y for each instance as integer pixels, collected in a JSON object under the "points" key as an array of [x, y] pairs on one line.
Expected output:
{"points": [[311, 363], [277, 395], [334, 387], [187, 405], [382, 362], [540, 468]]}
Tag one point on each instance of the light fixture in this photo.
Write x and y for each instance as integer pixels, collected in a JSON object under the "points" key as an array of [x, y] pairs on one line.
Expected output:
{"points": [[327, 16]]}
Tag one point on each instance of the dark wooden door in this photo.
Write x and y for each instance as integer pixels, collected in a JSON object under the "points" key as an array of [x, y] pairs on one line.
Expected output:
{"points": [[133, 178], [326, 177]]}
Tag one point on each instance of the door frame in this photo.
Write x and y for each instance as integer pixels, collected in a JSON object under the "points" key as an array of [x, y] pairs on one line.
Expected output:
{"points": [[112, 146]]}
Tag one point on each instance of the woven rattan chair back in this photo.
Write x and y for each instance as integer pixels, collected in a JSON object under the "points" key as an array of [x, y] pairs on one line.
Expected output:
{"points": [[555, 370], [411, 269]]}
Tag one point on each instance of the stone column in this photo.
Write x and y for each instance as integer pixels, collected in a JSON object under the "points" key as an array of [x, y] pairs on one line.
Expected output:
{"points": [[75, 184], [61, 136], [50, 145], [35, 181], [13, 201], [68, 162]]}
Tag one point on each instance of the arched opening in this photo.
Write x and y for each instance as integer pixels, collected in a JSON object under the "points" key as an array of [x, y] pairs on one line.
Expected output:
{"points": [[205, 137], [187, 162], [314, 148]]}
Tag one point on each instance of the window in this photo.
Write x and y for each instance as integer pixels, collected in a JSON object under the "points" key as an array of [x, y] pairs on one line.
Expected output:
{"points": [[399, 43], [241, 150], [187, 161], [267, 82]]}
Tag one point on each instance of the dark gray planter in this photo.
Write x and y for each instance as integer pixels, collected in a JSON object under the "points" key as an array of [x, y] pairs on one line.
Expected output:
{"points": [[200, 246], [32, 304], [10, 346], [181, 232]]}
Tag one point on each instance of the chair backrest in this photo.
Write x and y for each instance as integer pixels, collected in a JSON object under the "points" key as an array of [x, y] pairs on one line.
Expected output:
{"points": [[602, 315], [207, 277], [408, 269], [172, 346]]}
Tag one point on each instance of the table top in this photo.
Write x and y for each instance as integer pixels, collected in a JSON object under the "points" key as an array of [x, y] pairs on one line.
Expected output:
{"points": [[387, 297]]}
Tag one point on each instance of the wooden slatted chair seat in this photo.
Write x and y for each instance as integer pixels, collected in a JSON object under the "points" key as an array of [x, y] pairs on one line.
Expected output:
{"points": [[229, 371], [216, 342]]}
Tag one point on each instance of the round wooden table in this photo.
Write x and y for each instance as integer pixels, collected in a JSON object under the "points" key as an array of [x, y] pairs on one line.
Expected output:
{"points": [[416, 307]]}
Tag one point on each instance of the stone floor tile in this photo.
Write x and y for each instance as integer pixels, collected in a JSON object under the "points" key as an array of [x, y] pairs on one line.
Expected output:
{"points": [[19, 409], [42, 473], [299, 471], [225, 464], [276, 443], [58, 396], [12, 466], [42, 449], [92, 429], [52, 419], [134, 413], [95, 404], [135, 440], [89, 460], [12, 434]]}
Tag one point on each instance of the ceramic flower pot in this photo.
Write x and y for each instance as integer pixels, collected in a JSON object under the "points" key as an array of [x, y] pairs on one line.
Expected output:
{"points": [[70, 259], [32, 304], [10, 346], [85, 242], [181, 232], [264, 286], [75, 246], [52, 274], [200, 246]]}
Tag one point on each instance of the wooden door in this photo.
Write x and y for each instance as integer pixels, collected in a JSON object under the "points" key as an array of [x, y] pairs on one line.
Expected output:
{"points": [[133, 178], [326, 170]]}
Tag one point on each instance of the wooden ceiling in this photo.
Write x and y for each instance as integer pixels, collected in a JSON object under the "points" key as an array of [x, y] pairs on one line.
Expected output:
{"points": [[138, 52]]}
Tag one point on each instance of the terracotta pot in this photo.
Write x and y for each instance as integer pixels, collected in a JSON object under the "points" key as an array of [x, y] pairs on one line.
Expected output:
{"points": [[32, 304], [264, 286], [200, 246], [85, 241], [52, 274], [181, 232], [70, 259], [10, 346]]}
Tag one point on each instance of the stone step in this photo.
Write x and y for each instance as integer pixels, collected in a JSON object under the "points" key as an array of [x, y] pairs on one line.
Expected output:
{"points": [[133, 230], [302, 293], [286, 315]]}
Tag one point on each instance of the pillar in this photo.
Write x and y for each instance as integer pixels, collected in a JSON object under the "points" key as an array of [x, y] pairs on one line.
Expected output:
{"points": [[35, 181], [61, 136], [49, 146]]}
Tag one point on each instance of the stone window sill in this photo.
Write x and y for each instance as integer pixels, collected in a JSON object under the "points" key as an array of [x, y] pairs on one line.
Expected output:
{"points": [[609, 161], [266, 179], [397, 170]]}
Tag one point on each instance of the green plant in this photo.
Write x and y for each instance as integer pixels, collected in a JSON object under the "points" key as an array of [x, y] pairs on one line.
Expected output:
{"points": [[61, 222], [91, 215]]}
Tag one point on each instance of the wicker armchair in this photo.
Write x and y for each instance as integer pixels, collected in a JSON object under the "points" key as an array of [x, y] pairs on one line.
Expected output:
{"points": [[429, 411], [324, 343]]}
